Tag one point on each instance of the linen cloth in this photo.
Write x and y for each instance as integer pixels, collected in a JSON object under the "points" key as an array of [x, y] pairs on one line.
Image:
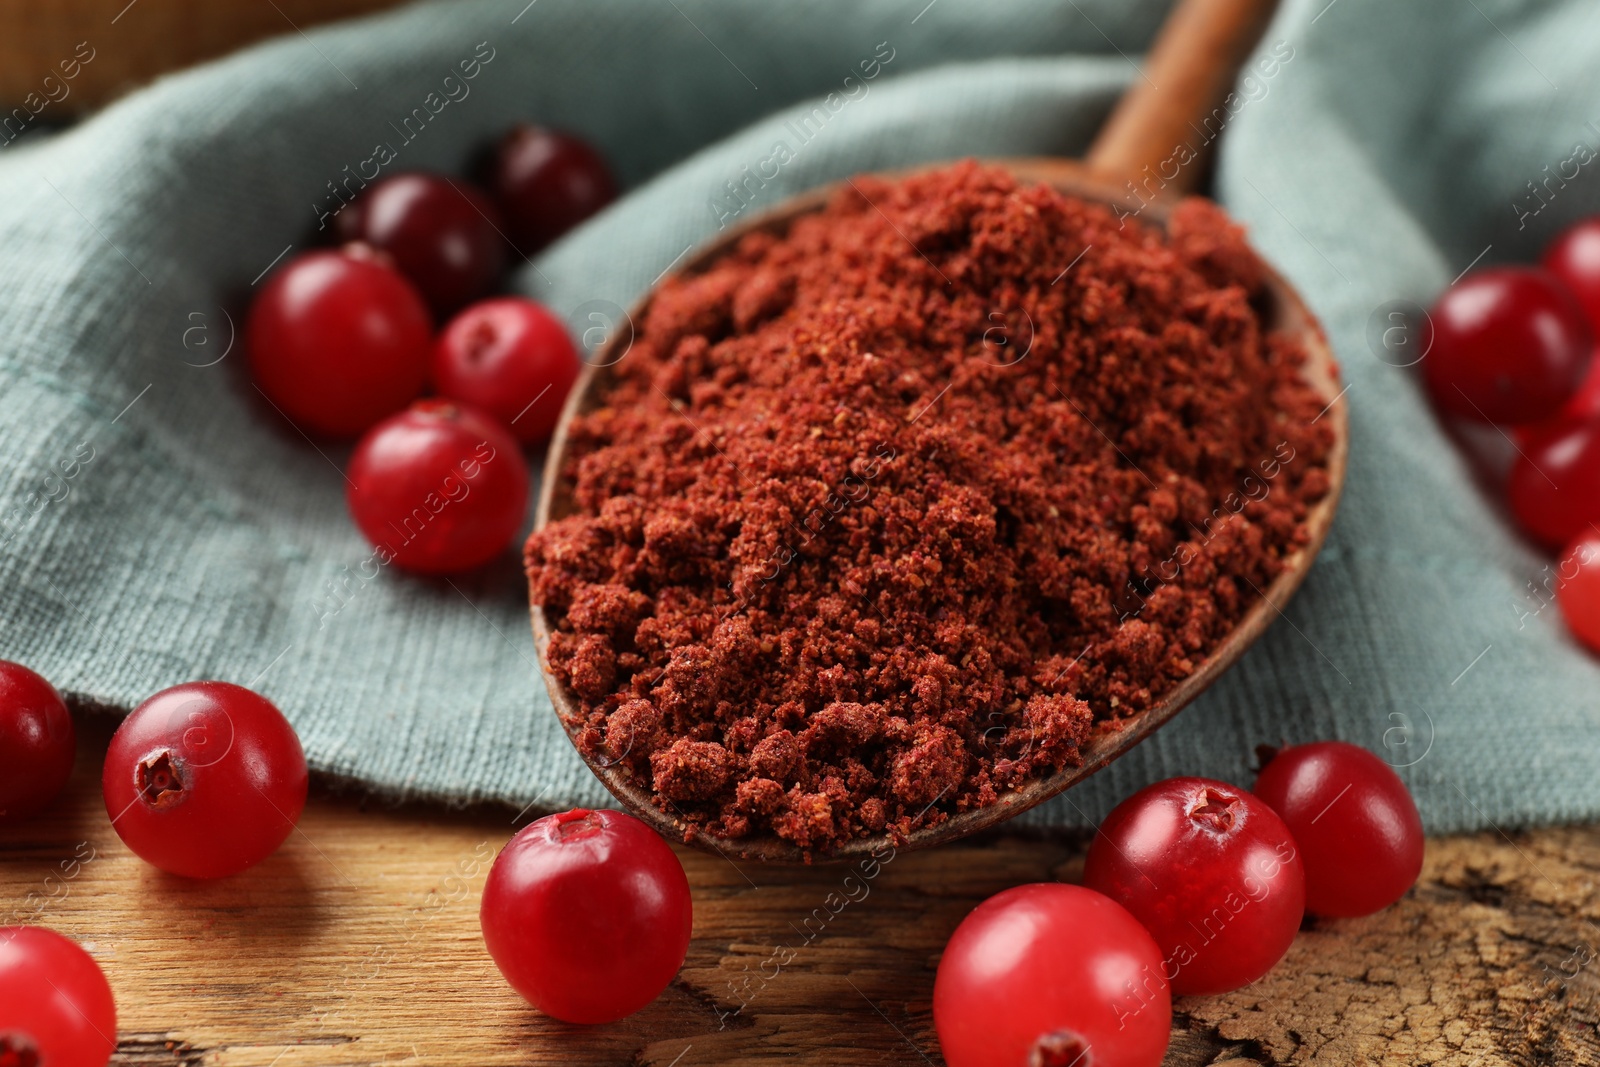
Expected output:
{"points": [[158, 523]]}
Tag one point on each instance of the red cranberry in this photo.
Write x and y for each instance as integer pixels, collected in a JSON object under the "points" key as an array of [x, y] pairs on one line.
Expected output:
{"points": [[511, 358], [1574, 258], [37, 741], [1357, 827], [56, 1008], [443, 235], [1051, 974], [1213, 874], [1554, 485], [587, 914], [205, 779], [338, 340], [1510, 345], [438, 488], [1578, 589], [1581, 407], [546, 183]]}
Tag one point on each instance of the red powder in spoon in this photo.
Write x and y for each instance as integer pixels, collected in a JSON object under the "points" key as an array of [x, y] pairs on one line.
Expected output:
{"points": [[883, 515]]}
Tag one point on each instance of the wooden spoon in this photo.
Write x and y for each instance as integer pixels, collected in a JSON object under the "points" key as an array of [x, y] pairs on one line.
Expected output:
{"points": [[1187, 76]]}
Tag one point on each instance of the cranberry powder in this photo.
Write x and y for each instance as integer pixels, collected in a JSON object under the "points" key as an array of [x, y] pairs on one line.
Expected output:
{"points": [[885, 513]]}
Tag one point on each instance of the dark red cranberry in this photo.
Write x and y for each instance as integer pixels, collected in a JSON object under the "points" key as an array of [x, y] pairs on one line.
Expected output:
{"points": [[1574, 258], [511, 358], [1554, 485], [1510, 345], [1354, 820], [56, 1007], [1581, 407], [1578, 591], [443, 234], [1211, 871], [338, 340], [1052, 975], [587, 914], [37, 741], [204, 779], [439, 487], [547, 182]]}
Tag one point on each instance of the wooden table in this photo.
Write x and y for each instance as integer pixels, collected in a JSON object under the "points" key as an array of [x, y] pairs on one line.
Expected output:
{"points": [[358, 944], [128, 42]]}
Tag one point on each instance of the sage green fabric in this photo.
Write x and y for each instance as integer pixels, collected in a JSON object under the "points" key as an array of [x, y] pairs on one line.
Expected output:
{"points": [[159, 525]]}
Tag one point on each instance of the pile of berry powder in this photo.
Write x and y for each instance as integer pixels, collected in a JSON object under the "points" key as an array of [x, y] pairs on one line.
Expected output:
{"points": [[885, 514]]}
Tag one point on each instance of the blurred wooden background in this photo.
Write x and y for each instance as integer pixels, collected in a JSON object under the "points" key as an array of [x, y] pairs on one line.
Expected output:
{"points": [[132, 43]]}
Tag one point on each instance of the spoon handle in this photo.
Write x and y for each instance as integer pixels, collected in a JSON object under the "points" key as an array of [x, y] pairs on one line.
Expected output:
{"points": [[1158, 136]]}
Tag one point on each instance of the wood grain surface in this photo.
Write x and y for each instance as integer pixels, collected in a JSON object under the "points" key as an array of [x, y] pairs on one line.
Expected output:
{"points": [[358, 944], [132, 42]]}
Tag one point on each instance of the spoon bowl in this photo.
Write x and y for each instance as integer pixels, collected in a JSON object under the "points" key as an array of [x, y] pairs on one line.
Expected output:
{"points": [[1284, 313]]}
